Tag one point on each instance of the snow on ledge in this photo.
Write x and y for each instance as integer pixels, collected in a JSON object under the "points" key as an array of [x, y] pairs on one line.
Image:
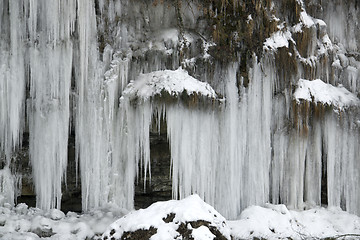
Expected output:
{"points": [[320, 92], [173, 82], [277, 40]]}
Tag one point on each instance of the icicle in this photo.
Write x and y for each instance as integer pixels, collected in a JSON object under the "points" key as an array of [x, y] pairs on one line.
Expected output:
{"points": [[313, 170], [91, 136]]}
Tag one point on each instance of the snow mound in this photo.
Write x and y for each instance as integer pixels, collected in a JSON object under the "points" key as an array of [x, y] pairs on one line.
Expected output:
{"points": [[277, 222], [190, 217], [172, 82], [320, 92]]}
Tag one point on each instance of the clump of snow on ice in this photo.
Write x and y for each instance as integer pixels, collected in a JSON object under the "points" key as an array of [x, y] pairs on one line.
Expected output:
{"points": [[324, 93], [173, 82], [186, 210]]}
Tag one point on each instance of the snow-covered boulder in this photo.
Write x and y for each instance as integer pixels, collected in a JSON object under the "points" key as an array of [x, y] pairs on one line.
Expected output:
{"points": [[190, 218]]}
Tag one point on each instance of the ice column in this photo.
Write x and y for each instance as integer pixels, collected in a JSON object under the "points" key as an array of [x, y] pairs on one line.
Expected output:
{"points": [[98, 119], [51, 24], [342, 151], [225, 155], [12, 75], [91, 144]]}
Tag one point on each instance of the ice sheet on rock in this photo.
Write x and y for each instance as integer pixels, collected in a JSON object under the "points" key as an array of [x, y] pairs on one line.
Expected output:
{"points": [[320, 92], [189, 209], [173, 82]]}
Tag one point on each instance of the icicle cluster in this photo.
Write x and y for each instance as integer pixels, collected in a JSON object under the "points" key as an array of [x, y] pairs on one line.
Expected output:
{"points": [[12, 72], [50, 63]]}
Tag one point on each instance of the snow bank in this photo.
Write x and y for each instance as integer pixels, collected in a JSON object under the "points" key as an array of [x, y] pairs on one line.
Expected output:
{"points": [[167, 217], [277, 222], [320, 92], [173, 82]]}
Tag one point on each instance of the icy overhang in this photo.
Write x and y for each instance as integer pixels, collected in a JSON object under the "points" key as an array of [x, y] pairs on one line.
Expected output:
{"points": [[167, 83], [319, 92]]}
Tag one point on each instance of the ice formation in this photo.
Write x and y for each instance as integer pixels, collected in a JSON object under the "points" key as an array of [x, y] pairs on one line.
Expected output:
{"points": [[62, 72]]}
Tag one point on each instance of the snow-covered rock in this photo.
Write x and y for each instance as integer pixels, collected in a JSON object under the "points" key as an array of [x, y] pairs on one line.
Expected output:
{"points": [[172, 82], [324, 93], [190, 217]]}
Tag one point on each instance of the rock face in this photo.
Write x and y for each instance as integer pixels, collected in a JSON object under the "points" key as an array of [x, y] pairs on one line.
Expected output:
{"points": [[69, 136], [190, 218]]}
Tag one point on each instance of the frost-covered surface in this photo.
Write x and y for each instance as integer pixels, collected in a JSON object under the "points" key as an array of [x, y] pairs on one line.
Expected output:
{"points": [[277, 222], [21, 222], [172, 82], [324, 93], [186, 210]]}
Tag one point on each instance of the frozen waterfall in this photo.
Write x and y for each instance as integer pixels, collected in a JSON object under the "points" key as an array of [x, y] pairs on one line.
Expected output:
{"points": [[278, 125]]}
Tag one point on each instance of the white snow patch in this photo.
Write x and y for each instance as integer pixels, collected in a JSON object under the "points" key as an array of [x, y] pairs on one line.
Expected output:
{"points": [[277, 222], [306, 19], [173, 82], [249, 19], [318, 91], [319, 22], [277, 40], [202, 233]]}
